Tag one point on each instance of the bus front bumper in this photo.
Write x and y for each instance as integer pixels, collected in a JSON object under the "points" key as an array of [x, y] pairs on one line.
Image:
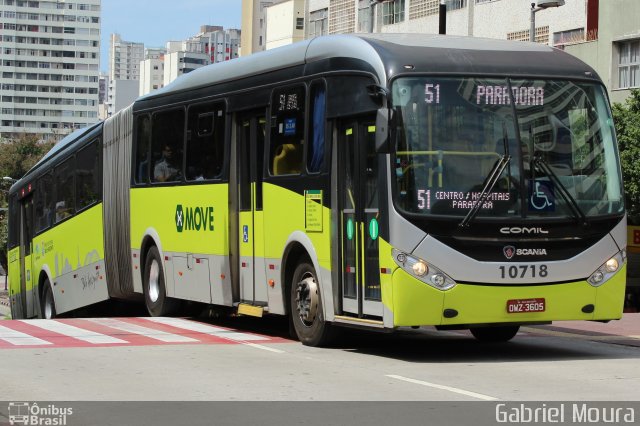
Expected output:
{"points": [[415, 303]]}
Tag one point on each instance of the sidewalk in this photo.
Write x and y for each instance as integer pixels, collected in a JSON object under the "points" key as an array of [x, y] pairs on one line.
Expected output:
{"points": [[625, 331]]}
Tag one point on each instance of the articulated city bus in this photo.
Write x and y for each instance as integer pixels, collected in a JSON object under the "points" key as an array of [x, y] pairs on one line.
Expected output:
{"points": [[374, 181]]}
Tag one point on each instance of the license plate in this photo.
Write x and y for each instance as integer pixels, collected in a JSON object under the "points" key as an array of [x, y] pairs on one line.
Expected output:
{"points": [[517, 306]]}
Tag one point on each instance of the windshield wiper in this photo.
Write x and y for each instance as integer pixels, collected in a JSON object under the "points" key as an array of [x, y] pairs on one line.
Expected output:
{"points": [[489, 183], [541, 164], [491, 180]]}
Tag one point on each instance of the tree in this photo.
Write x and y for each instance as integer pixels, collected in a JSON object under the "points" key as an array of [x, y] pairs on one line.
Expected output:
{"points": [[626, 118], [17, 157]]}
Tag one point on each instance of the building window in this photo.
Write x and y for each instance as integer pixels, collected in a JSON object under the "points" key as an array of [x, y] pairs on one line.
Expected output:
{"points": [[342, 16], [318, 23], [392, 12], [456, 4], [422, 8], [542, 35], [299, 23], [562, 38], [628, 64]]}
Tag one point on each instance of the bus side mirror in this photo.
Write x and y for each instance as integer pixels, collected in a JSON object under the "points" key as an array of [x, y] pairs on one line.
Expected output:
{"points": [[383, 139]]}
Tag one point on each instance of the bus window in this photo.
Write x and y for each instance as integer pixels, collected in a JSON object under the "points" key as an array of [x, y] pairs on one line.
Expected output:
{"points": [[64, 206], [167, 141], [14, 220], [205, 141], [315, 154], [44, 202], [287, 131], [88, 176], [143, 141]]}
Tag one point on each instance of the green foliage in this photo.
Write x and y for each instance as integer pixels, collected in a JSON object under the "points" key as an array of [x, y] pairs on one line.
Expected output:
{"points": [[626, 118], [17, 156]]}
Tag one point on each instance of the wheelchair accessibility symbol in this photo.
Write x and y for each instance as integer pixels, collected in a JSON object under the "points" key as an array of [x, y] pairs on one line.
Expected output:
{"points": [[542, 196]]}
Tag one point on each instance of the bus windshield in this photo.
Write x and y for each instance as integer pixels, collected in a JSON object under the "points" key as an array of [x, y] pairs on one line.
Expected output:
{"points": [[551, 142]]}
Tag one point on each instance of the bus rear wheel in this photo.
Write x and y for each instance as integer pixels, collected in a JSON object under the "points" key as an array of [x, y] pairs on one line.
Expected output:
{"points": [[48, 303], [495, 334], [306, 307], [155, 293]]}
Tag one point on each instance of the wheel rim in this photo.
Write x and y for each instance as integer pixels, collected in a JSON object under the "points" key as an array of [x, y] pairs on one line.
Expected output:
{"points": [[48, 306], [154, 285], [307, 299]]}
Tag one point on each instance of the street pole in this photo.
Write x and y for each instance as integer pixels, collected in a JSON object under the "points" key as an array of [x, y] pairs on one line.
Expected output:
{"points": [[443, 17], [532, 28]]}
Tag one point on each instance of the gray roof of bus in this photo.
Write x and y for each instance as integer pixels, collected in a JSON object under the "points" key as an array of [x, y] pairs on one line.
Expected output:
{"points": [[366, 47]]}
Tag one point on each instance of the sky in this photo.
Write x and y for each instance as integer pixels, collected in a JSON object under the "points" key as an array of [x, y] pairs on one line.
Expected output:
{"points": [[154, 22]]}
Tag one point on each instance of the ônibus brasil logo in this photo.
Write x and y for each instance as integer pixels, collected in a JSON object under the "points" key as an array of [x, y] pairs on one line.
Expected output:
{"points": [[194, 218]]}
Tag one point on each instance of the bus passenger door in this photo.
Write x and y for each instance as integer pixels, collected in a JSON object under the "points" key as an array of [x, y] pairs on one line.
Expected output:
{"points": [[27, 301], [251, 271], [359, 215]]}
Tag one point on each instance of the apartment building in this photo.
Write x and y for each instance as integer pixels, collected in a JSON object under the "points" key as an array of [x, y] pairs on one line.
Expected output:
{"points": [[285, 23], [613, 49], [603, 33], [152, 70], [49, 64], [254, 26], [124, 67]]}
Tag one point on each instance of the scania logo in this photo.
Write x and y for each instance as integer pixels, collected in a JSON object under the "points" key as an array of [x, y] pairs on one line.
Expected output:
{"points": [[509, 251], [522, 230]]}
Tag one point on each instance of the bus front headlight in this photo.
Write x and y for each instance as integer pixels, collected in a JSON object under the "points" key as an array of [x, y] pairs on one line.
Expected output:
{"points": [[607, 269], [424, 271]]}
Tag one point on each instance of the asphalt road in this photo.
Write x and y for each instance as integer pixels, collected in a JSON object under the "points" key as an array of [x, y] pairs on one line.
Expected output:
{"points": [[223, 364]]}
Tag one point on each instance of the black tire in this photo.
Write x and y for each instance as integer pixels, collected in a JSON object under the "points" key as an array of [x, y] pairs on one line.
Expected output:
{"points": [[155, 291], [495, 334], [306, 307], [48, 304]]}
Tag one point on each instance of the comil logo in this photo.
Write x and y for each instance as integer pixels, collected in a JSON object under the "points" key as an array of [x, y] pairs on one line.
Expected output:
{"points": [[25, 413], [194, 218], [522, 230]]}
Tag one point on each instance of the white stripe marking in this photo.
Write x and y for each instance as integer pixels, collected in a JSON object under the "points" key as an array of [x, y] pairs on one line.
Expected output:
{"points": [[144, 331], [205, 328], [447, 388], [264, 348], [18, 338], [214, 331], [75, 332]]}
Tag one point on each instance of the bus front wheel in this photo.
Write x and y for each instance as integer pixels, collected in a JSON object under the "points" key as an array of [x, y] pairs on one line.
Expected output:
{"points": [[306, 307], [155, 293], [495, 334], [48, 303]]}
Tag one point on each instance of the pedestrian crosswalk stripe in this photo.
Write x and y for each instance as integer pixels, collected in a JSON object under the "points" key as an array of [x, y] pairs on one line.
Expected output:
{"points": [[75, 332], [145, 331], [110, 332], [20, 339], [205, 328]]}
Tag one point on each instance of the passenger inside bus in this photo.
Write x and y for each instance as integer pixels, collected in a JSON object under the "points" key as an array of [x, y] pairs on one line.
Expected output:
{"points": [[166, 169]]}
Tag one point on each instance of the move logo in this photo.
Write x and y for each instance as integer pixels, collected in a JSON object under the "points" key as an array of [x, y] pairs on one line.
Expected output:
{"points": [[194, 218]]}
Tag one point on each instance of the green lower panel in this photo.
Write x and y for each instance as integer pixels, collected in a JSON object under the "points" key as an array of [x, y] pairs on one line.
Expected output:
{"points": [[416, 303]]}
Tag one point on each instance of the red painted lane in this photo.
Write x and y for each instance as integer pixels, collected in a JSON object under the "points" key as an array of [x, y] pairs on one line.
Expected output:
{"points": [[57, 340]]}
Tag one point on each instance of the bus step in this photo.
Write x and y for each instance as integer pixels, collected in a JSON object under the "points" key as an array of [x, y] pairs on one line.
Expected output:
{"points": [[358, 321], [246, 309]]}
